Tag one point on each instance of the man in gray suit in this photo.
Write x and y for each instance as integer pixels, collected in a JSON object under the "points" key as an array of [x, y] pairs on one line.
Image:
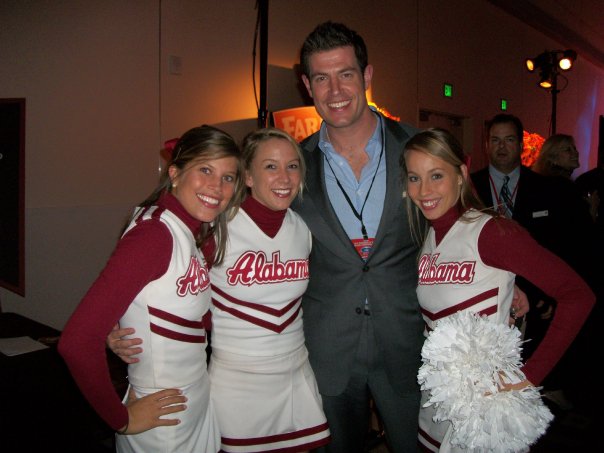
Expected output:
{"points": [[362, 319]]}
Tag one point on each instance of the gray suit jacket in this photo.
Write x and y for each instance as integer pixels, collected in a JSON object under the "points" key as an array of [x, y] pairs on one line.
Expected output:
{"points": [[340, 280]]}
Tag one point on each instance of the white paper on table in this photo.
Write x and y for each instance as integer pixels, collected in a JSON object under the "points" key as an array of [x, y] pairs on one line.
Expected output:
{"points": [[19, 345]]}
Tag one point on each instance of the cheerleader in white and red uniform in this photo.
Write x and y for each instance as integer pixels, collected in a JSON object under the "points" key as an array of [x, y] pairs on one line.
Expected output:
{"points": [[469, 260], [263, 387], [157, 282]]}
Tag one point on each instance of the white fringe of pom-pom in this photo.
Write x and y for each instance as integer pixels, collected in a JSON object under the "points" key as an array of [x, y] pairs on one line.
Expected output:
{"points": [[463, 360]]}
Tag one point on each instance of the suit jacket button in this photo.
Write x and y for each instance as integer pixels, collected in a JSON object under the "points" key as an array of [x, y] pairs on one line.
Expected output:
{"points": [[365, 268], [358, 310]]}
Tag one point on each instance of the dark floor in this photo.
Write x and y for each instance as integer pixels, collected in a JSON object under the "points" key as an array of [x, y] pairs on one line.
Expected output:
{"points": [[573, 430], [64, 423], [41, 409]]}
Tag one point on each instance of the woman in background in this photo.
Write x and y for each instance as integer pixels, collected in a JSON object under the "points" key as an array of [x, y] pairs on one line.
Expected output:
{"points": [[580, 247], [157, 282], [558, 157], [462, 233]]}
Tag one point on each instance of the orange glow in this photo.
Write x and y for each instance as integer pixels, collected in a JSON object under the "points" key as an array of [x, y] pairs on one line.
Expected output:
{"points": [[384, 112], [532, 146]]}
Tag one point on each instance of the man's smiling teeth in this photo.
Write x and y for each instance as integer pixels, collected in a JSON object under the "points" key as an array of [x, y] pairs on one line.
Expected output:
{"points": [[207, 199], [338, 105], [429, 204]]}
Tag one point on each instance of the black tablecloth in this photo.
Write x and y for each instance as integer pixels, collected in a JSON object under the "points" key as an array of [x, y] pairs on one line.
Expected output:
{"points": [[41, 408]]}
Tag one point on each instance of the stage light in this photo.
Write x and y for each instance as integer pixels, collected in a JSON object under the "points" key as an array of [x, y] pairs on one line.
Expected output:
{"points": [[550, 63], [546, 81], [539, 61], [567, 59]]}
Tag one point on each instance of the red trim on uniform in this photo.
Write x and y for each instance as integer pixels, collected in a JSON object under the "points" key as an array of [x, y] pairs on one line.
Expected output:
{"points": [[462, 305], [278, 328], [140, 216], [424, 435], [175, 319], [253, 306], [157, 213], [275, 437], [489, 310], [294, 448], [178, 336], [423, 448]]}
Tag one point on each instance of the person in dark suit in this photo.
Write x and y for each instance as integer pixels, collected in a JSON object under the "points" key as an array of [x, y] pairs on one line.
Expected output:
{"points": [[591, 185], [581, 248], [362, 325], [532, 205], [538, 203]]}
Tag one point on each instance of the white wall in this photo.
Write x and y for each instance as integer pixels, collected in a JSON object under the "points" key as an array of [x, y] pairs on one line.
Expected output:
{"points": [[101, 100], [89, 73]]}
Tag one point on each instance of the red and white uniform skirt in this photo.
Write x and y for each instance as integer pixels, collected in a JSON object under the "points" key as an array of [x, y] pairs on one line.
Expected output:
{"points": [[267, 403]]}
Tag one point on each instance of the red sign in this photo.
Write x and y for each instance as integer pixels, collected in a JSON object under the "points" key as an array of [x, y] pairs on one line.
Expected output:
{"points": [[299, 122]]}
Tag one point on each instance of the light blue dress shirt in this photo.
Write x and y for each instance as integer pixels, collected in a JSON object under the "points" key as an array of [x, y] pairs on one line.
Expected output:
{"points": [[356, 190]]}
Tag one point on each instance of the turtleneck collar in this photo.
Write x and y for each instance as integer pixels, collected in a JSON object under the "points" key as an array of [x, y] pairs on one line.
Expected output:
{"points": [[268, 220], [170, 202], [444, 223]]}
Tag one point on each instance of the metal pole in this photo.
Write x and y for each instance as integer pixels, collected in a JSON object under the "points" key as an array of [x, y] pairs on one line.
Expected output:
{"points": [[554, 99], [262, 111]]}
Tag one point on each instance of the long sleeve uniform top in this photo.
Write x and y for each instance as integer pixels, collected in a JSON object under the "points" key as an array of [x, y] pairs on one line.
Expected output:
{"points": [[505, 245], [141, 256]]}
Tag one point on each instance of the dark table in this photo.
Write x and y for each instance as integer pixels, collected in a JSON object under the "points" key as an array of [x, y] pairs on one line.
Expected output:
{"points": [[41, 408]]}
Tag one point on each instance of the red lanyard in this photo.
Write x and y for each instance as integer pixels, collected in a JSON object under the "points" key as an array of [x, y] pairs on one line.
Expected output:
{"points": [[499, 202]]}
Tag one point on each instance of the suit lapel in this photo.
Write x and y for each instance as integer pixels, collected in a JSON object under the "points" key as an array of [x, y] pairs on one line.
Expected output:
{"points": [[393, 195], [483, 187], [320, 198], [522, 210]]}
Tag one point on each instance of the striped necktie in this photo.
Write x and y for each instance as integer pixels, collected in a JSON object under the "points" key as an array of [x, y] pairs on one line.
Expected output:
{"points": [[506, 198]]}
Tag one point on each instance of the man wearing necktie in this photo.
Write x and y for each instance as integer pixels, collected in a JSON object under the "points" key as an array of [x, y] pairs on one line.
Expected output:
{"points": [[533, 201], [513, 189], [506, 197]]}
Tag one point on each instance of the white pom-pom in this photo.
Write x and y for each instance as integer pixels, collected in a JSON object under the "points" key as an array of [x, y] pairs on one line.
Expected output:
{"points": [[464, 360]]}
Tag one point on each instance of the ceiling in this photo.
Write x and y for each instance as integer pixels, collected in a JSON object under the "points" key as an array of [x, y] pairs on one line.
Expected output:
{"points": [[577, 24]]}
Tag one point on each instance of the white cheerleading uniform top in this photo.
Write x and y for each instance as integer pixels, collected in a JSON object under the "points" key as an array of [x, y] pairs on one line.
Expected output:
{"points": [[274, 274], [452, 277], [167, 313]]}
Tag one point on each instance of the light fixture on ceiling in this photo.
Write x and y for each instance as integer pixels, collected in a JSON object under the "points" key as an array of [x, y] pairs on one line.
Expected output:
{"points": [[551, 64], [552, 60]]}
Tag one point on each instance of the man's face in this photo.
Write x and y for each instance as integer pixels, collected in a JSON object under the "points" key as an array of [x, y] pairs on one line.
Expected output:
{"points": [[337, 86], [504, 147]]}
